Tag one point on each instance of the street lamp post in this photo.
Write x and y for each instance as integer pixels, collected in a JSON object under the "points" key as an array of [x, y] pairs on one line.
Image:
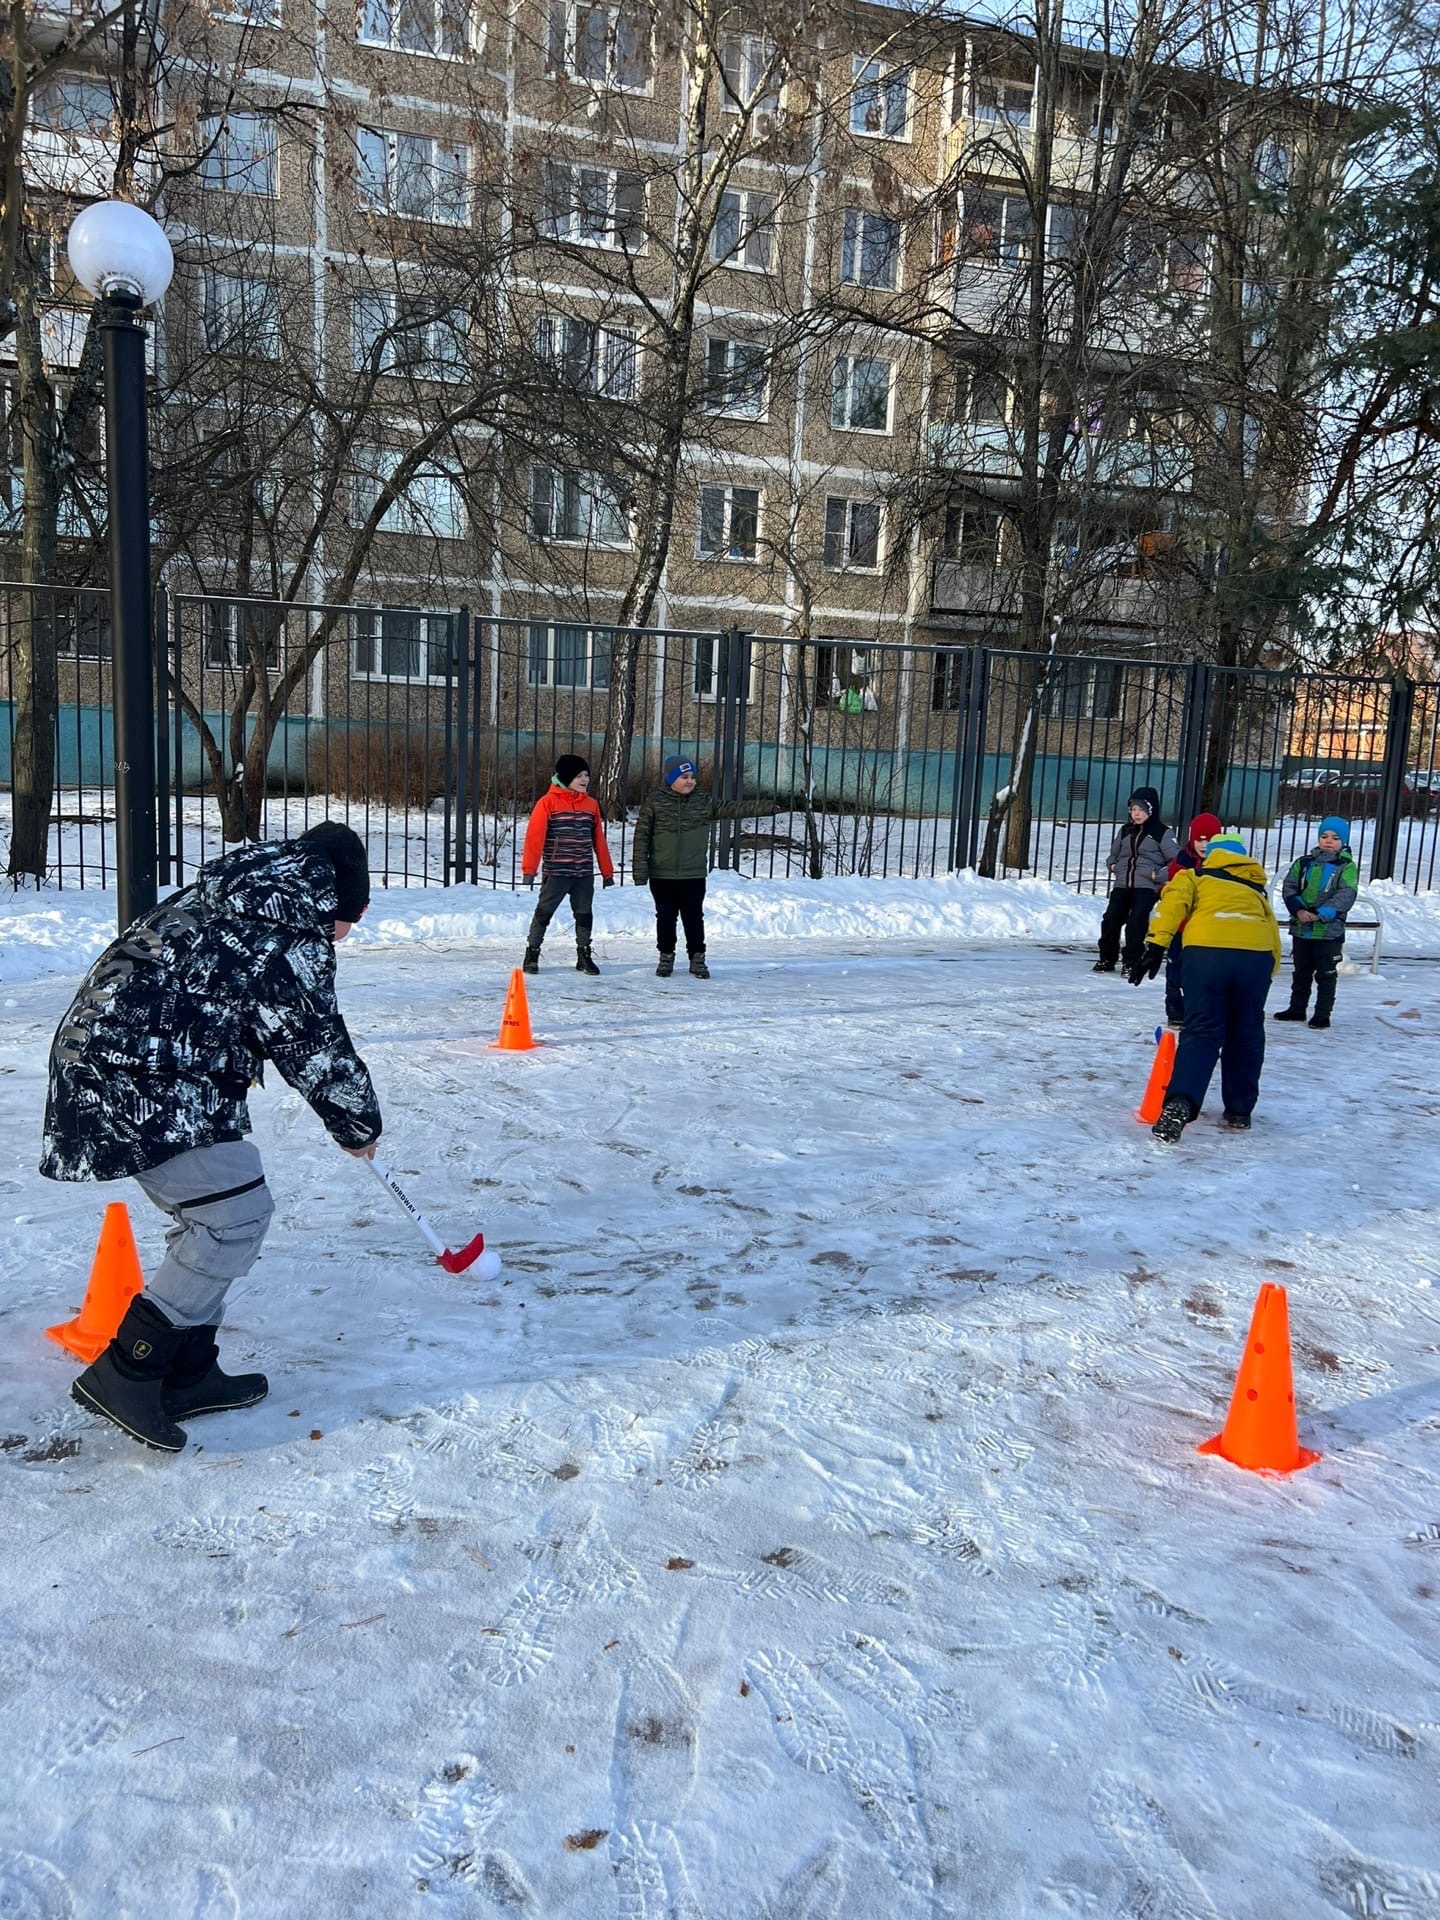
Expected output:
{"points": [[121, 256]]}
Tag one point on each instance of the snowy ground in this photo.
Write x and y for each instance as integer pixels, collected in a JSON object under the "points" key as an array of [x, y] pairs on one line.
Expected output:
{"points": [[808, 1527]]}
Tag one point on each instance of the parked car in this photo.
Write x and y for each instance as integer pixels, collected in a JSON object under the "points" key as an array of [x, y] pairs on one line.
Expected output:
{"points": [[1355, 794]]}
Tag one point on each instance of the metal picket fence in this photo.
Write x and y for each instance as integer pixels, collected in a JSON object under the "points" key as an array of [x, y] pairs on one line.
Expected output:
{"points": [[433, 731]]}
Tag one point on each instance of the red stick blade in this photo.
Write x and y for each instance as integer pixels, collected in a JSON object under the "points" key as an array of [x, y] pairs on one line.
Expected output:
{"points": [[466, 1257]]}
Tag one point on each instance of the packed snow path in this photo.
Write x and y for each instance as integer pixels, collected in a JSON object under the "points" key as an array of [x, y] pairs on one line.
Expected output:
{"points": [[808, 1527]]}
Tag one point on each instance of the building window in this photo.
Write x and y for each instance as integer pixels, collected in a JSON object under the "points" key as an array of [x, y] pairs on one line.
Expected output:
{"points": [[747, 62], [606, 46], [947, 684], [972, 536], [228, 635], [712, 667], [80, 103], [561, 654], [239, 154], [443, 27], [574, 506], [995, 228], [247, 13], [241, 316], [852, 534], [396, 334], [393, 645], [729, 522], [744, 232], [735, 378], [1002, 103], [860, 394], [880, 100], [412, 176], [589, 357], [593, 206], [1083, 690], [428, 505], [870, 249]]}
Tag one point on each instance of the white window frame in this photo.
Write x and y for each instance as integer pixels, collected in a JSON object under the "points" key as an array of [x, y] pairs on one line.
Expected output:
{"points": [[726, 492], [546, 632], [432, 638], [592, 496], [378, 191], [752, 210], [259, 13], [225, 168], [443, 29], [240, 315], [842, 420], [609, 80], [744, 59], [1072, 673], [718, 395], [707, 669], [1014, 232], [844, 533], [590, 356], [53, 108], [1000, 111], [222, 638], [872, 90], [856, 224], [582, 178], [435, 333], [440, 517]]}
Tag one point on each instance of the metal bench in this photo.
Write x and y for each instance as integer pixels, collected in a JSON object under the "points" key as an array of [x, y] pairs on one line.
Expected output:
{"points": [[1364, 917]]}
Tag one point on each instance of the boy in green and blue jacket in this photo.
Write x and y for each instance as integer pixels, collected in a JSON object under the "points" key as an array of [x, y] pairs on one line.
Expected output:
{"points": [[1320, 890]]}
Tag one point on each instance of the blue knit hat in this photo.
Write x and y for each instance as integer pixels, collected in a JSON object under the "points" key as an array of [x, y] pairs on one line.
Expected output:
{"points": [[676, 768], [1332, 823], [1228, 843]]}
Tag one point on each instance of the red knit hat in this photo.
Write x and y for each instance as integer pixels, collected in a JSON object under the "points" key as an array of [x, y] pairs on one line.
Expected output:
{"points": [[1205, 826]]}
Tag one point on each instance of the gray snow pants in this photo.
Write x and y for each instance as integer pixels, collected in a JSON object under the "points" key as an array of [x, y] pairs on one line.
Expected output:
{"points": [[220, 1204]]}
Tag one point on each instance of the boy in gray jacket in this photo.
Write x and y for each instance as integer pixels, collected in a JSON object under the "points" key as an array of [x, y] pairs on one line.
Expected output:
{"points": [[1139, 866]]}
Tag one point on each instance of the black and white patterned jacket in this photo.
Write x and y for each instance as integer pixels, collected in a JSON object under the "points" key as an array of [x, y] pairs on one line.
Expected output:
{"points": [[176, 1018]]}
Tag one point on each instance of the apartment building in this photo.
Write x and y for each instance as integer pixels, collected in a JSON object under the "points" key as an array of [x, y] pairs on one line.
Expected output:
{"points": [[571, 310]]}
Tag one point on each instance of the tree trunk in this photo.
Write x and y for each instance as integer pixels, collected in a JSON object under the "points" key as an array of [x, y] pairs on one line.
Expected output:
{"points": [[35, 678]]}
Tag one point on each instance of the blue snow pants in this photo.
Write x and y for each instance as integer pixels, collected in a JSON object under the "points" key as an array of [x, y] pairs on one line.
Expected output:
{"points": [[1225, 989]]}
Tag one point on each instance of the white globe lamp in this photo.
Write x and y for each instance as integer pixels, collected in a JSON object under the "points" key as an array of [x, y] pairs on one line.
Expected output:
{"points": [[119, 250]]}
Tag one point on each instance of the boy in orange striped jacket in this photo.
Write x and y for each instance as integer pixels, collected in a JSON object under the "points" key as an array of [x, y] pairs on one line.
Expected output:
{"points": [[566, 833]]}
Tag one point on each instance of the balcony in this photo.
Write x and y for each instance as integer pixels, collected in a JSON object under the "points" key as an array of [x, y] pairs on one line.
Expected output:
{"points": [[985, 449], [62, 338]]}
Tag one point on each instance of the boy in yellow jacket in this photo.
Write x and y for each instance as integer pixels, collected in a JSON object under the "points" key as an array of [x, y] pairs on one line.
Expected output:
{"points": [[1231, 943]]}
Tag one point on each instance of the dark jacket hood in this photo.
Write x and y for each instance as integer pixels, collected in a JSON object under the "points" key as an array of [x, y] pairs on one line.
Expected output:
{"points": [[281, 882]]}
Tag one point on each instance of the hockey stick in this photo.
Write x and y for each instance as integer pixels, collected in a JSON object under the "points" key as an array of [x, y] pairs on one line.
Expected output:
{"points": [[452, 1262]]}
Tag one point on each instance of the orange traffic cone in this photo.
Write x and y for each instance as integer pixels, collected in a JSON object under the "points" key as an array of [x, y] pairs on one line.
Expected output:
{"points": [[115, 1279], [515, 1021], [1260, 1433], [1161, 1068]]}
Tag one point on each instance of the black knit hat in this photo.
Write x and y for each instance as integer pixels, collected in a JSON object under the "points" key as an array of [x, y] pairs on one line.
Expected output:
{"points": [[568, 766], [350, 861]]}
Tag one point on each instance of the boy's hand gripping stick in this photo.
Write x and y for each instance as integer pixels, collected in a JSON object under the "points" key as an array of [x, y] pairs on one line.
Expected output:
{"points": [[451, 1262]]}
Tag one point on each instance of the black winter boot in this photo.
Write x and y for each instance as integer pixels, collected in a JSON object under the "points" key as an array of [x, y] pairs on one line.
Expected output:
{"points": [[195, 1383], [531, 962], [1289, 1013], [1234, 1122], [698, 966], [127, 1383], [1318, 1019], [1175, 1116], [666, 966], [1103, 966], [583, 961]]}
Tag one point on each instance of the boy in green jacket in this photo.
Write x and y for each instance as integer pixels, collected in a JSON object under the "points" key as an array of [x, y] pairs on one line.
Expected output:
{"points": [[672, 852], [1320, 889]]}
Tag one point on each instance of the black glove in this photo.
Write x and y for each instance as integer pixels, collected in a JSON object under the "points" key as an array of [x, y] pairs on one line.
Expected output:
{"points": [[1147, 966], [529, 879], [607, 880]]}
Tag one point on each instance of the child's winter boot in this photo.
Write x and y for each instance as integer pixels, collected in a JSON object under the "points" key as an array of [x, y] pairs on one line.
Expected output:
{"points": [[584, 963], [698, 966], [195, 1383], [127, 1383], [1289, 1013], [666, 966], [531, 962]]}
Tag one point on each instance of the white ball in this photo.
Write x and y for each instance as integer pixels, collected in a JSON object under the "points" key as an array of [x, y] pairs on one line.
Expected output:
{"points": [[489, 1265]]}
